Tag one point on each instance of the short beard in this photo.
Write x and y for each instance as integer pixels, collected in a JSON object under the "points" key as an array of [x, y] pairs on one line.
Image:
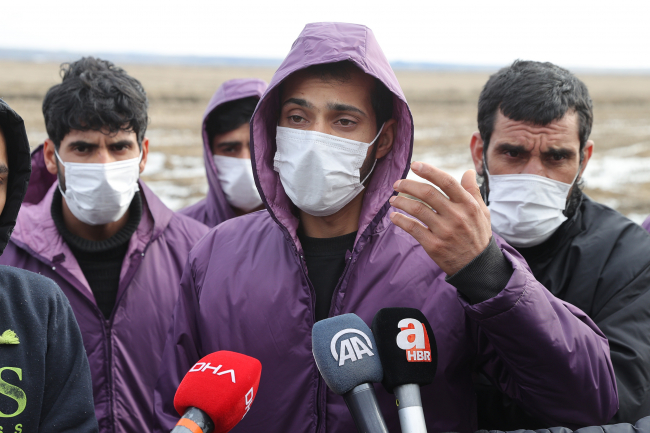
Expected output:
{"points": [[572, 204]]}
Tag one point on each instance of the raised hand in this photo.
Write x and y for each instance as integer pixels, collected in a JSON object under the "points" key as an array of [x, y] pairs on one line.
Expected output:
{"points": [[456, 228]]}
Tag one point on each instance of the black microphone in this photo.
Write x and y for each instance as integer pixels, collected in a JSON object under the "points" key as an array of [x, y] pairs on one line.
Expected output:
{"points": [[408, 353], [345, 353]]}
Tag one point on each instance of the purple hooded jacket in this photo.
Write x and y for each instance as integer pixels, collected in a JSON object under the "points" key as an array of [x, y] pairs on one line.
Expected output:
{"points": [[245, 289], [215, 209], [124, 351], [646, 224]]}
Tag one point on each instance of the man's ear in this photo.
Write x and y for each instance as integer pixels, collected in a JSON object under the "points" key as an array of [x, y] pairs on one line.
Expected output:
{"points": [[476, 149], [386, 139], [50, 157], [587, 152], [145, 152]]}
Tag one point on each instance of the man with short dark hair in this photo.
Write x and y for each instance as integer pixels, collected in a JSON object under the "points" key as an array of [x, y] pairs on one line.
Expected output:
{"points": [[114, 248], [531, 151], [331, 143], [226, 138], [45, 383]]}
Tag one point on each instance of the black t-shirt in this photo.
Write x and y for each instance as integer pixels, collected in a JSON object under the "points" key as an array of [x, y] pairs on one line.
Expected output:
{"points": [[325, 259]]}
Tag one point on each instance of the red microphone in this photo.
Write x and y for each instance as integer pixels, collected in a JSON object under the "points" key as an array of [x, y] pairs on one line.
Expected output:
{"points": [[217, 392]]}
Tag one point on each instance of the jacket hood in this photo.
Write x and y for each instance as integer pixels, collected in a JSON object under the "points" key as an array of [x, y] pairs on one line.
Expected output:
{"points": [[329, 43], [20, 167], [40, 180], [231, 90]]}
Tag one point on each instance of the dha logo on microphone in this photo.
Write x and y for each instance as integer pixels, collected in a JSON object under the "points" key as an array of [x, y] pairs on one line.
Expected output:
{"points": [[415, 340], [203, 366], [352, 348]]}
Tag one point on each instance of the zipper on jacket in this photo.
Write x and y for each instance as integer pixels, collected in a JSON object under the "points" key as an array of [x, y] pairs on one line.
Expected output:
{"points": [[319, 398]]}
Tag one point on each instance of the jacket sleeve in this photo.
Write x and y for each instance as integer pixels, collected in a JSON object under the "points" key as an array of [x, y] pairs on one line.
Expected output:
{"points": [[625, 321], [68, 394], [180, 354], [544, 353]]}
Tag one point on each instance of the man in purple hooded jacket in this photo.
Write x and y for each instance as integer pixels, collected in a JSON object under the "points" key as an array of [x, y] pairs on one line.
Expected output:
{"points": [[327, 246], [111, 245], [226, 139]]}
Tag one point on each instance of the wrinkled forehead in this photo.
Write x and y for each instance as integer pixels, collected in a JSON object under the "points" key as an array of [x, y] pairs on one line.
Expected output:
{"points": [[99, 137], [563, 132], [354, 88]]}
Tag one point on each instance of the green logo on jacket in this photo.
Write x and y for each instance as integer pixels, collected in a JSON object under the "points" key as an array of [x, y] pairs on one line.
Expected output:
{"points": [[9, 337], [13, 392]]}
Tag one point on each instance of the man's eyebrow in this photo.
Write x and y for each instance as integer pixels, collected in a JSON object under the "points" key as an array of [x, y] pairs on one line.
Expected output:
{"points": [[3, 168], [229, 143], [298, 101], [507, 147], [82, 143], [345, 107], [122, 143], [567, 153]]}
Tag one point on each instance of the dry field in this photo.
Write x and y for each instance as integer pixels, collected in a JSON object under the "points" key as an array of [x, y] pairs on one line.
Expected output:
{"points": [[443, 105]]}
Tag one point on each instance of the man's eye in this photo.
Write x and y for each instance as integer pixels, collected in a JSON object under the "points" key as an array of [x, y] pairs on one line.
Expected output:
{"points": [[512, 153], [558, 157], [346, 122], [296, 119]]}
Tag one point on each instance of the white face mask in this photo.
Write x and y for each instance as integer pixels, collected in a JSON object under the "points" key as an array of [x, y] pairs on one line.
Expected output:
{"points": [[99, 194], [526, 209], [320, 172], [237, 182]]}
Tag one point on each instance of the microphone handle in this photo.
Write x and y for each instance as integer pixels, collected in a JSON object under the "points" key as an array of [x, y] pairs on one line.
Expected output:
{"points": [[194, 420], [409, 404], [362, 403]]}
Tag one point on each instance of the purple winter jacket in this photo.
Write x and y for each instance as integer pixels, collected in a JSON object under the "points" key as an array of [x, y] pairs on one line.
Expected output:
{"points": [[125, 351], [245, 288], [646, 224], [214, 208]]}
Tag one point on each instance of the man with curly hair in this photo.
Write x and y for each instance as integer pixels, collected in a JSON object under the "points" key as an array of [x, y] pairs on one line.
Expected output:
{"points": [[113, 247]]}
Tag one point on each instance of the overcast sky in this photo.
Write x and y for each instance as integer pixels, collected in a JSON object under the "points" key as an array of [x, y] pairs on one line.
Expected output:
{"points": [[571, 33]]}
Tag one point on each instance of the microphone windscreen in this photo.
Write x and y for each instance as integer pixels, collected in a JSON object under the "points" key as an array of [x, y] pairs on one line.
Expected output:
{"points": [[222, 384], [406, 346], [345, 352]]}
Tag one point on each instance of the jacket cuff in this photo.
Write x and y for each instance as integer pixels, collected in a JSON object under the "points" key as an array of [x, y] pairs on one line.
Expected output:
{"points": [[484, 277]]}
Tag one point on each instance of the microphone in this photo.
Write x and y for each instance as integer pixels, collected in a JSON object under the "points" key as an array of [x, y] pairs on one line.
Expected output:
{"points": [[345, 354], [216, 393], [407, 350]]}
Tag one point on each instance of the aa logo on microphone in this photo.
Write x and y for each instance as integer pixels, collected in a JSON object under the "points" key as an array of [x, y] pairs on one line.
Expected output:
{"points": [[202, 366], [414, 339], [352, 348]]}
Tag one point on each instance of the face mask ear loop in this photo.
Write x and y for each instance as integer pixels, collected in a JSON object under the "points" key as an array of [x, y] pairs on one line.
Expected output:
{"points": [[486, 178], [373, 167], [374, 163], [58, 173]]}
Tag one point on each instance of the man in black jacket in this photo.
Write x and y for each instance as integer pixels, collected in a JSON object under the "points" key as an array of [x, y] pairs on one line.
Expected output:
{"points": [[532, 149], [44, 375]]}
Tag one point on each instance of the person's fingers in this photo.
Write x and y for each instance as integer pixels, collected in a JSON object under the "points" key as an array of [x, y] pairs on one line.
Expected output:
{"points": [[414, 208], [423, 191], [415, 229], [441, 179], [469, 183]]}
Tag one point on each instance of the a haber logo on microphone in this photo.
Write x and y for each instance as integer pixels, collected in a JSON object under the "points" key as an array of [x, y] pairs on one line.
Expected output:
{"points": [[415, 340], [352, 348], [203, 366]]}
